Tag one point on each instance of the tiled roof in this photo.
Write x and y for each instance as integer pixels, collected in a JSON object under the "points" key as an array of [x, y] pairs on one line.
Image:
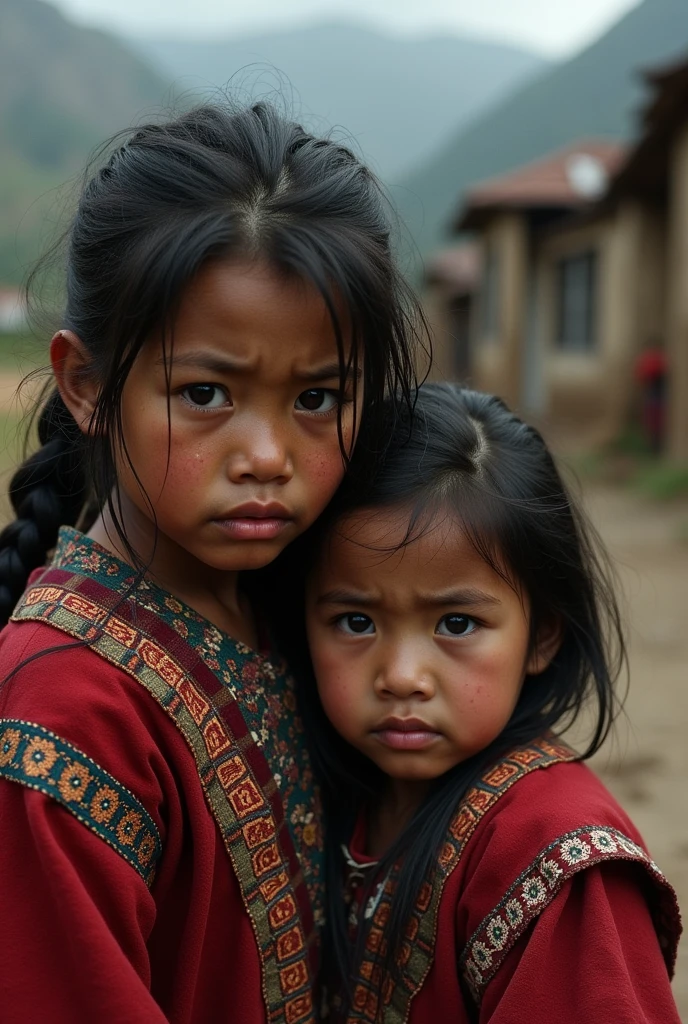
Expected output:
{"points": [[569, 178]]}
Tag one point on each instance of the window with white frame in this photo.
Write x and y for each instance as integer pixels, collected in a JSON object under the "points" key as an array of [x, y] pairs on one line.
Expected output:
{"points": [[577, 302]]}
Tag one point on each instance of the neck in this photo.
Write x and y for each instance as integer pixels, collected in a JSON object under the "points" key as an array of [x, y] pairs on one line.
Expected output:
{"points": [[212, 593], [400, 801]]}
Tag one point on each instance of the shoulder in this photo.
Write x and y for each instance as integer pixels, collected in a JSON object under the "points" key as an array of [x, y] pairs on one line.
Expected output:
{"points": [[543, 832], [61, 683], [83, 733], [540, 808], [561, 814]]}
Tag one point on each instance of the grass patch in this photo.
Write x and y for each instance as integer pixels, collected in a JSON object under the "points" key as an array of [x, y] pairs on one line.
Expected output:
{"points": [[21, 353], [662, 481]]}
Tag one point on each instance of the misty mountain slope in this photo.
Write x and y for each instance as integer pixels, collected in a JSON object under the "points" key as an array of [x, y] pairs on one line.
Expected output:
{"points": [[63, 90], [596, 93], [397, 97]]}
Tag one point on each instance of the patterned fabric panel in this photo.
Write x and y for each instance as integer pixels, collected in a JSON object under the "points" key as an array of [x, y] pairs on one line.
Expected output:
{"points": [[417, 953], [536, 887], [37, 758], [239, 786], [261, 685]]}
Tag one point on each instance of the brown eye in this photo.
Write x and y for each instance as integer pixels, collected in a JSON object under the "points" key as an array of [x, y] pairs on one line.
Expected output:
{"points": [[356, 624], [316, 400], [205, 396], [456, 625]]}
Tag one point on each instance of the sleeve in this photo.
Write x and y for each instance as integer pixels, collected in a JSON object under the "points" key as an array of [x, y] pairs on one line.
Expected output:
{"points": [[592, 956], [76, 917]]}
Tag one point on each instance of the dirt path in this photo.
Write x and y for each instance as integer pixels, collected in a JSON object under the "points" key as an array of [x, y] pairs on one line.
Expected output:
{"points": [[646, 763]]}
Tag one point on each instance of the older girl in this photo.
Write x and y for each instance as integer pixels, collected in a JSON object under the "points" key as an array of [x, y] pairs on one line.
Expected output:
{"points": [[230, 300]]}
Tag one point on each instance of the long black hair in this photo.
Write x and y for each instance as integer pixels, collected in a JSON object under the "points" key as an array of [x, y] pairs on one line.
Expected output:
{"points": [[466, 455], [216, 182]]}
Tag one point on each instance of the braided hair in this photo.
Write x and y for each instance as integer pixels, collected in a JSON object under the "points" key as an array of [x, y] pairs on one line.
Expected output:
{"points": [[214, 183], [46, 492]]}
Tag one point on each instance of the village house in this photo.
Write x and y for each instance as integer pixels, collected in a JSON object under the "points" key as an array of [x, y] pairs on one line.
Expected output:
{"points": [[578, 265]]}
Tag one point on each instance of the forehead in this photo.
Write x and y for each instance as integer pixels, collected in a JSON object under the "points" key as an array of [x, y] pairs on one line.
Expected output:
{"points": [[368, 548], [243, 303]]}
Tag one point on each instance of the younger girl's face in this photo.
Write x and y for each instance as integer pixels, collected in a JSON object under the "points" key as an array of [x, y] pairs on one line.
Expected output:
{"points": [[420, 655], [241, 453]]}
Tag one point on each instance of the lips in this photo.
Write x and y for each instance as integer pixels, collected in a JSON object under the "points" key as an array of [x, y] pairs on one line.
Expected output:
{"points": [[255, 520], [406, 733]]}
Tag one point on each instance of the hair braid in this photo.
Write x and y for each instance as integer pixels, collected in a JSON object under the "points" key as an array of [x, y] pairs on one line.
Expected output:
{"points": [[47, 491]]}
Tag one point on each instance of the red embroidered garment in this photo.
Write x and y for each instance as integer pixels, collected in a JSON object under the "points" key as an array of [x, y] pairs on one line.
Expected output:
{"points": [[547, 907], [154, 848]]}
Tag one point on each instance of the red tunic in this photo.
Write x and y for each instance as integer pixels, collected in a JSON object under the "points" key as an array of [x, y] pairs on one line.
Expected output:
{"points": [[546, 908], [147, 870]]}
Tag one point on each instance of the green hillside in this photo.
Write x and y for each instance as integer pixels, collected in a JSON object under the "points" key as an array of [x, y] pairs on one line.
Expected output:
{"points": [[63, 89], [399, 98], [597, 93]]}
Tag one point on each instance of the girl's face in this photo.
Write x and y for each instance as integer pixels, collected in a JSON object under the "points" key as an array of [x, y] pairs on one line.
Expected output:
{"points": [[241, 454], [419, 655]]}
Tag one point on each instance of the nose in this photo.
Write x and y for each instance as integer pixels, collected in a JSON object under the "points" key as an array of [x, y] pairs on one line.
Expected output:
{"points": [[259, 452], [404, 674]]}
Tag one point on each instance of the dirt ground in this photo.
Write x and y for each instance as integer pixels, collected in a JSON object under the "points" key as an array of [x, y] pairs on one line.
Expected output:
{"points": [[645, 764]]}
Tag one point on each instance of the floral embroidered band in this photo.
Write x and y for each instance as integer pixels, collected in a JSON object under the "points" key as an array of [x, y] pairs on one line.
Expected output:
{"points": [[35, 757], [537, 886]]}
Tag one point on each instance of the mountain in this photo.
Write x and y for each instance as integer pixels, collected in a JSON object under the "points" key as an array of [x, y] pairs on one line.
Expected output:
{"points": [[63, 90], [596, 93], [398, 98]]}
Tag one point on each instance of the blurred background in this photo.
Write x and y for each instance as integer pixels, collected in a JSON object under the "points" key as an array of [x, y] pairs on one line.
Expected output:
{"points": [[537, 155]]}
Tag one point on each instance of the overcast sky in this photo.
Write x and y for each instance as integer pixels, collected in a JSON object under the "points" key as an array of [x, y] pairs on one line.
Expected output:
{"points": [[554, 26]]}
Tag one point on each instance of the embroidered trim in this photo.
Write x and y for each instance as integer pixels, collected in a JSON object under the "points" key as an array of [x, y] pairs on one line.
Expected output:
{"points": [[417, 952], [238, 784], [537, 886], [37, 758]]}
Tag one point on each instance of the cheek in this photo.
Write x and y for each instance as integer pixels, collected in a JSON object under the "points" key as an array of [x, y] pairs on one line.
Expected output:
{"points": [[322, 472], [339, 690], [485, 705]]}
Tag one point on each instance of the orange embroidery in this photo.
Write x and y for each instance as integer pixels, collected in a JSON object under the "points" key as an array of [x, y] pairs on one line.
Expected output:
{"points": [[119, 631], [274, 886], [156, 658], [265, 860], [501, 774], [282, 911], [298, 1009], [246, 798], [230, 771], [198, 707], [292, 978], [290, 943], [257, 832], [80, 606], [215, 737]]}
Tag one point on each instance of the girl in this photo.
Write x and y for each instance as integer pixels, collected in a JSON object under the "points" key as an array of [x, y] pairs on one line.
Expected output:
{"points": [[459, 619], [230, 299]]}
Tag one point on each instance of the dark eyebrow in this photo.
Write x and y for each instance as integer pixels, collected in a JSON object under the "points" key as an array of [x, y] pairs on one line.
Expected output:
{"points": [[329, 372], [347, 597], [466, 596], [225, 365], [205, 361]]}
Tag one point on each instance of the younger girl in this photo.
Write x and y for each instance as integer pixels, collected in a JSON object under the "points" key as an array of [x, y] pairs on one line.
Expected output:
{"points": [[459, 619], [230, 299]]}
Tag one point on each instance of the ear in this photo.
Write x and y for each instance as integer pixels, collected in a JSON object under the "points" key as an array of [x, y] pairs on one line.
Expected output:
{"points": [[550, 636], [76, 381]]}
